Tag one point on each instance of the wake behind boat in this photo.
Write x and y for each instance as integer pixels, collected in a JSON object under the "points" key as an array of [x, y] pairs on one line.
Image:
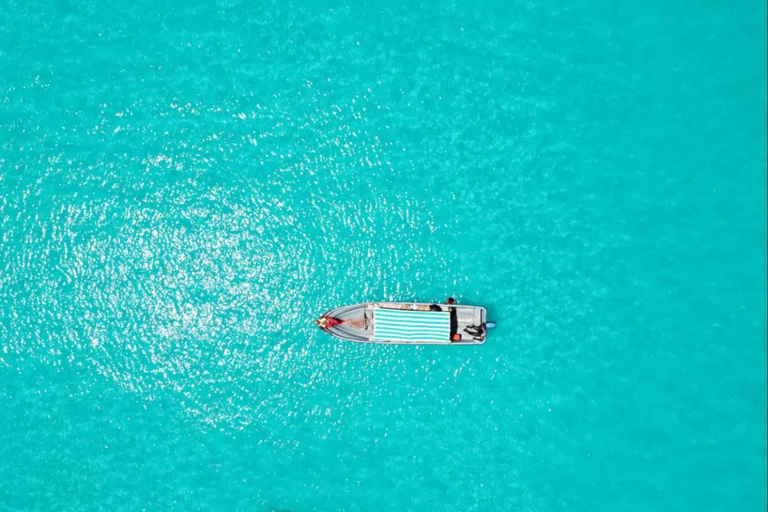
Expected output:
{"points": [[407, 323]]}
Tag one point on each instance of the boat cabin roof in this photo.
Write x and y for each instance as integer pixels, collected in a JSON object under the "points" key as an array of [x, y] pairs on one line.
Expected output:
{"points": [[410, 325]]}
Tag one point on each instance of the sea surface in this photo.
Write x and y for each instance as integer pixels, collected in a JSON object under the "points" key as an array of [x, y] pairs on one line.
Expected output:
{"points": [[184, 186]]}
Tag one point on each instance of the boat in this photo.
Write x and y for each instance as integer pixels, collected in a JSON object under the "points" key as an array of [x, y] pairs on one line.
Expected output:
{"points": [[407, 323]]}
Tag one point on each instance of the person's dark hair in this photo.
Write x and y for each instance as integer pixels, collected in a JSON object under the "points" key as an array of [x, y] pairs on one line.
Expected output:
{"points": [[450, 300], [435, 307]]}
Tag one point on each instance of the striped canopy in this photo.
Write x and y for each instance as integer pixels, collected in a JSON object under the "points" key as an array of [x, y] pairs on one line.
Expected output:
{"points": [[409, 325]]}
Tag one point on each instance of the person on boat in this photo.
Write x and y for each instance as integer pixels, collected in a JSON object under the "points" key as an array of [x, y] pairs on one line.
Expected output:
{"points": [[475, 330], [435, 307], [326, 322], [450, 301]]}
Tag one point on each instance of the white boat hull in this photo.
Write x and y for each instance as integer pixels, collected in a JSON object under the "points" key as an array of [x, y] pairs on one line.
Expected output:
{"points": [[359, 325]]}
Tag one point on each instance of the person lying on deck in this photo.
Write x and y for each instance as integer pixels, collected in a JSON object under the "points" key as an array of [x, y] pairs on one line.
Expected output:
{"points": [[326, 322], [475, 330]]}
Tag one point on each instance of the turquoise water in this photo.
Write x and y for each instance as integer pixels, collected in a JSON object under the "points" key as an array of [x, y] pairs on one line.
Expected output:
{"points": [[183, 187]]}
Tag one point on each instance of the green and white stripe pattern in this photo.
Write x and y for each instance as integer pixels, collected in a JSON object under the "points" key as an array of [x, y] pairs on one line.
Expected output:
{"points": [[409, 325]]}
